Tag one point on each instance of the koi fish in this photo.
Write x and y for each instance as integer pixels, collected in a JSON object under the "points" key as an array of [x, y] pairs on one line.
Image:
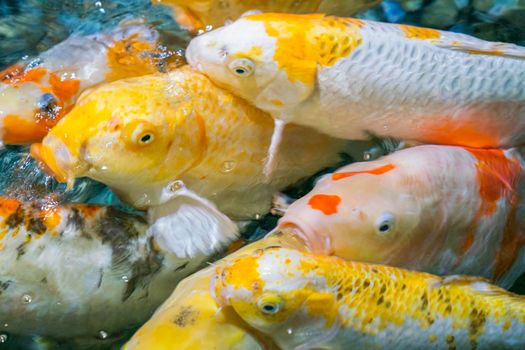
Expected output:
{"points": [[198, 14], [72, 271], [351, 79], [158, 135], [438, 209], [36, 94], [306, 301], [190, 318]]}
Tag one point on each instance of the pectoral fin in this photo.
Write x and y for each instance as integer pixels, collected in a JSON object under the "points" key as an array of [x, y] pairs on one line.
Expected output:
{"points": [[188, 225]]}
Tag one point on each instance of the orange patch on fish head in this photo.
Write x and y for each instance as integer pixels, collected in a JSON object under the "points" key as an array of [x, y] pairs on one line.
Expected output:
{"points": [[305, 41], [243, 274], [325, 203]]}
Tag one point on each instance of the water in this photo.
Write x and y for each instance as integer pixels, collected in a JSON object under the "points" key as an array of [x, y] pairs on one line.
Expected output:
{"points": [[32, 26]]}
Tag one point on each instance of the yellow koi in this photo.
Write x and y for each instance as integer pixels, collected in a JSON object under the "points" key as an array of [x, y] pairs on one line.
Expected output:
{"points": [[305, 301], [163, 134]]}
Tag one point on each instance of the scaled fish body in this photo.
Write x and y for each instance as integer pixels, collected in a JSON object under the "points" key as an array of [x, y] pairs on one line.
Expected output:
{"points": [[166, 132], [35, 95], [69, 271], [197, 14], [350, 78], [305, 301], [190, 319], [439, 209]]}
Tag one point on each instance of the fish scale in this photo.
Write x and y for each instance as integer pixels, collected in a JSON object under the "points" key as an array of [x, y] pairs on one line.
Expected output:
{"points": [[376, 307], [350, 78]]}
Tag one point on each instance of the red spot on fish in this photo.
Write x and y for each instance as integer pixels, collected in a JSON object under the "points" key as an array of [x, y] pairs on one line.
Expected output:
{"points": [[8, 206], [325, 203], [497, 177], [64, 89], [16, 74], [377, 171], [18, 130]]}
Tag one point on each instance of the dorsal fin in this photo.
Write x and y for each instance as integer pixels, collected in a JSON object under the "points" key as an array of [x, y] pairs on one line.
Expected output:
{"points": [[464, 43]]}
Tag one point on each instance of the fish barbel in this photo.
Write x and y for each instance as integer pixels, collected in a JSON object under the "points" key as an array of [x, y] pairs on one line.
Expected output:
{"points": [[36, 94], [351, 78], [142, 136], [305, 301]]}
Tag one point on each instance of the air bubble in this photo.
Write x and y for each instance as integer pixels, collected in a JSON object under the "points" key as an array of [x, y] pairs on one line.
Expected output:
{"points": [[228, 166], [3, 338], [27, 299], [103, 335], [257, 216], [125, 279]]}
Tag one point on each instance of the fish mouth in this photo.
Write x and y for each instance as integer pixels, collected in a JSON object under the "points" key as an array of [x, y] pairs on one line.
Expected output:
{"points": [[315, 242], [190, 56], [57, 160]]}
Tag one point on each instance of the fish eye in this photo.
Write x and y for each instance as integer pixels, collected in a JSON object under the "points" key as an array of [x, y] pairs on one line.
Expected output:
{"points": [[385, 223], [242, 67], [270, 304], [140, 134], [145, 139]]}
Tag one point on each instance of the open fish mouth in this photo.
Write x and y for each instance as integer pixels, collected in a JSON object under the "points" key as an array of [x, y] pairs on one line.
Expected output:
{"points": [[58, 161]]}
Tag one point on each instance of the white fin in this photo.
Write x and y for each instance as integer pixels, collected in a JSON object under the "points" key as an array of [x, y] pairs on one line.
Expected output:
{"points": [[188, 225], [277, 137], [464, 43]]}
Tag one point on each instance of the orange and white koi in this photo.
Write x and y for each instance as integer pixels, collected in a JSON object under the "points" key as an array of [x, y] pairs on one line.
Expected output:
{"points": [[159, 135], [35, 95], [305, 301], [198, 14], [438, 209], [351, 78], [71, 271]]}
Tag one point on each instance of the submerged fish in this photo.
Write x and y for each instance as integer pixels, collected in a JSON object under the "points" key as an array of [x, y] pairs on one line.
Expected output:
{"points": [[157, 134], [73, 271], [190, 319], [35, 95], [439, 209], [197, 14], [305, 301], [351, 79]]}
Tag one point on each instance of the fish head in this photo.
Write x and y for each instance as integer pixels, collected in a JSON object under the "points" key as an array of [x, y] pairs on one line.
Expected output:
{"points": [[366, 212], [130, 135], [259, 57], [280, 293], [32, 101]]}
